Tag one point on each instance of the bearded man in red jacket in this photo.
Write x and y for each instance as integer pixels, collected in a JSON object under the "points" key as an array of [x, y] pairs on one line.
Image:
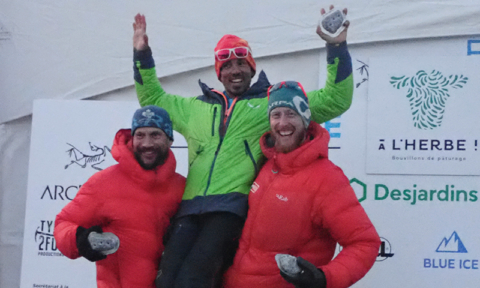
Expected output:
{"points": [[300, 206], [119, 216]]}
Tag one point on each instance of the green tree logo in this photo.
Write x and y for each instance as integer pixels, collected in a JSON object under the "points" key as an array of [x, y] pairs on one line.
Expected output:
{"points": [[427, 94]]}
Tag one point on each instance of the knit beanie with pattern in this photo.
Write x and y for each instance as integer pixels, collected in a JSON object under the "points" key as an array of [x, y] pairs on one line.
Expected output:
{"points": [[290, 94], [152, 116]]}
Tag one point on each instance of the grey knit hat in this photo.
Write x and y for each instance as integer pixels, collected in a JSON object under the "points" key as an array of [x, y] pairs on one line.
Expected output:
{"points": [[152, 116], [290, 94]]}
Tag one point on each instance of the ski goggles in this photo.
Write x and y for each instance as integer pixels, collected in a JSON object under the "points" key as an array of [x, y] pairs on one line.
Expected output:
{"points": [[239, 52], [287, 84]]}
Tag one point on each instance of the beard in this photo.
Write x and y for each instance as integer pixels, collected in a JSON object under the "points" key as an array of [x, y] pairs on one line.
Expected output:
{"points": [[162, 155], [286, 146]]}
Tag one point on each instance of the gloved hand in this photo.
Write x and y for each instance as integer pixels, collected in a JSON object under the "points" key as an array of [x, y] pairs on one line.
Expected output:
{"points": [[310, 277], [83, 245]]}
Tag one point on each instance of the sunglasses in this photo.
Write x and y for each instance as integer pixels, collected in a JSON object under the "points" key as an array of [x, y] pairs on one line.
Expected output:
{"points": [[239, 52], [286, 84]]}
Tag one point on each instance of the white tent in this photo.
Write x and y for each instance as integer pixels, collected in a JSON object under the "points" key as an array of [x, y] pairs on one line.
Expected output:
{"points": [[82, 50]]}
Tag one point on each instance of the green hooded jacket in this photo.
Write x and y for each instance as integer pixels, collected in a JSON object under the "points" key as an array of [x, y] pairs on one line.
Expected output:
{"points": [[223, 143]]}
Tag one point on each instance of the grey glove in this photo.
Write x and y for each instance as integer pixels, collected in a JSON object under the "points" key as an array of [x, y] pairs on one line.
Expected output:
{"points": [[83, 245], [309, 276]]}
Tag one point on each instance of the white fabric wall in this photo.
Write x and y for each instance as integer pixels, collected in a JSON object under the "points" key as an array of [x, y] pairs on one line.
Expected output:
{"points": [[81, 48], [14, 152]]}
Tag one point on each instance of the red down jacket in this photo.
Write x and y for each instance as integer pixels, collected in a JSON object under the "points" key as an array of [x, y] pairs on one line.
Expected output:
{"points": [[134, 204], [302, 204]]}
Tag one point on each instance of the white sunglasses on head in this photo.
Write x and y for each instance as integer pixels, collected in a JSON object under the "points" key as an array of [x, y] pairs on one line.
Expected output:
{"points": [[239, 52]]}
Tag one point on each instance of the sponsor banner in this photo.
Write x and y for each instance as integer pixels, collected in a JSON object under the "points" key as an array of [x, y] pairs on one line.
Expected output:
{"points": [[422, 115], [71, 140], [427, 223], [418, 191]]}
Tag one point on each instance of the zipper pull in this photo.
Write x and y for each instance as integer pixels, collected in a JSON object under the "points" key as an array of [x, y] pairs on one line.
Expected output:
{"points": [[274, 168]]}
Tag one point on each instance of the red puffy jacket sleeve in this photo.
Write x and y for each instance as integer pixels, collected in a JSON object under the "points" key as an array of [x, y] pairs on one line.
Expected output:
{"points": [[342, 215], [81, 211]]}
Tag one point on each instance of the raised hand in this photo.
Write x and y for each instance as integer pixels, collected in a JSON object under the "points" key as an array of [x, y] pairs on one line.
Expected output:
{"points": [[341, 37], [140, 38]]}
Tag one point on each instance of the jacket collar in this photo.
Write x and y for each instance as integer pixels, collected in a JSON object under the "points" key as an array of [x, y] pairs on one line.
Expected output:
{"points": [[314, 148], [259, 87]]}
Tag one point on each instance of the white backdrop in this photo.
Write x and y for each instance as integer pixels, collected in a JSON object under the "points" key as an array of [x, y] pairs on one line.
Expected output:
{"points": [[82, 48]]}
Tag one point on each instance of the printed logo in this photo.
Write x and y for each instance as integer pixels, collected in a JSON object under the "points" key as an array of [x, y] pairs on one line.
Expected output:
{"points": [[149, 114], [4, 33], [60, 192], [360, 189], [45, 240], [333, 128], [330, 125], [255, 187], [362, 69], [428, 94], [91, 158], [253, 107], [302, 107], [385, 250], [414, 194], [452, 245], [473, 47], [283, 198], [458, 258]]}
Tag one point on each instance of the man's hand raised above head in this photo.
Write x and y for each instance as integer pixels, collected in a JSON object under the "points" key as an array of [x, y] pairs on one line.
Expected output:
{"points": [[140, 38], [334, 40]]}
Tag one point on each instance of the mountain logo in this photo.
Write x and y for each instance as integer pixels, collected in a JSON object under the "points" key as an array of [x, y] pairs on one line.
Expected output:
{"points": [[452, 245], [428, 94]]}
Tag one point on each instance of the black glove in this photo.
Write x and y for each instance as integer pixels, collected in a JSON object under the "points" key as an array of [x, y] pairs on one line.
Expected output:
{"points": [[83, 246], [310, 277]]}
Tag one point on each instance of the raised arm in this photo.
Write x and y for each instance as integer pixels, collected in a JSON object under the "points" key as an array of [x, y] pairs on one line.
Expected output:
{"points": [[148, 87], [336, 97]]}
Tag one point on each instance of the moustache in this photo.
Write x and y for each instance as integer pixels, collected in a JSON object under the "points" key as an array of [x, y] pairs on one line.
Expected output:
{"points": [[147, 149]]}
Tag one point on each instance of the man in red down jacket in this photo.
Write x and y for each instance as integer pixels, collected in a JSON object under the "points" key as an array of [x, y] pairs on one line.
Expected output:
{"points": [[133, 199], [301, 204]]}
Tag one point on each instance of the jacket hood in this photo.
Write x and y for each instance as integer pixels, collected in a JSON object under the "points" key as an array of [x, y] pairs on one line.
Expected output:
{"points": [[316, 146], [122, 152]]}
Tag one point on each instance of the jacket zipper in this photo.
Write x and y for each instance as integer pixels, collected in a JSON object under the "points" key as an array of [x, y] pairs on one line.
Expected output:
{"points": [[249, 153], [226, 115], [211, 167], [213, 122]]}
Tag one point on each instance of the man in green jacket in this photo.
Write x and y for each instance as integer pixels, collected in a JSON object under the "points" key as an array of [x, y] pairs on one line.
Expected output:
{"points": [[222, 130]]}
